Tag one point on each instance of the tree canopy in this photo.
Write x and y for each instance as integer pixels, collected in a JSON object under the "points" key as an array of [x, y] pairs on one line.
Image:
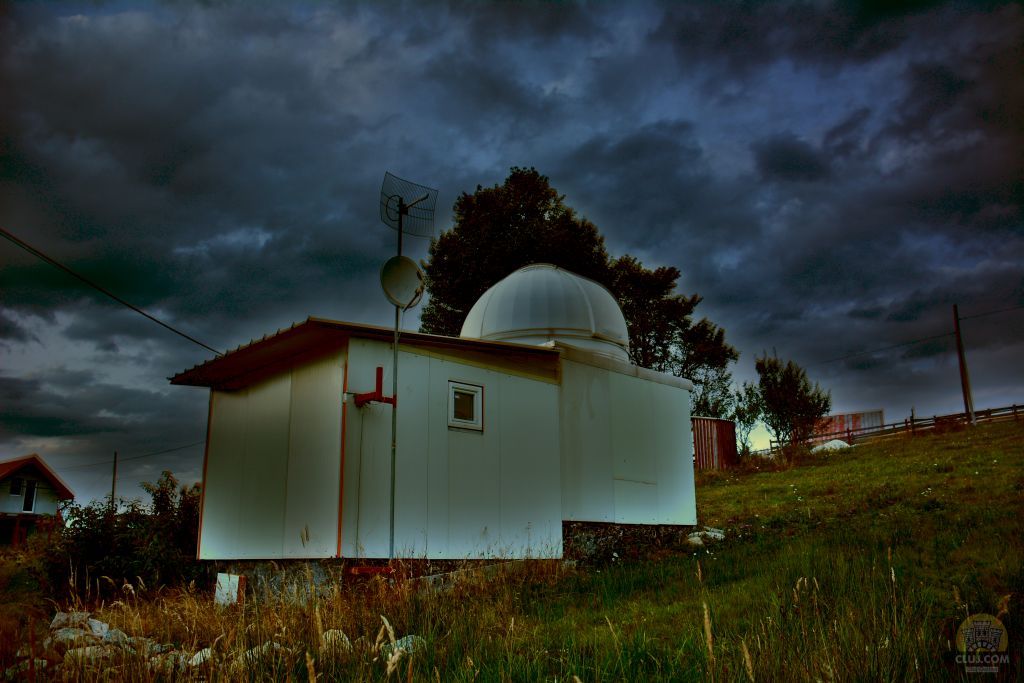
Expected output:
{"points": [[497, 231], [663, 336], [524, 220]]}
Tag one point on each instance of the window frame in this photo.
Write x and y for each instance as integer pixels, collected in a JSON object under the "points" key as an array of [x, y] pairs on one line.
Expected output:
{"points": [[21, 486], [477, 390]]}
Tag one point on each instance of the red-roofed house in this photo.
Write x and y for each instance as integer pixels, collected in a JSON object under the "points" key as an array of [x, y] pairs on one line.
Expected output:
{"points": [[29, 491]]}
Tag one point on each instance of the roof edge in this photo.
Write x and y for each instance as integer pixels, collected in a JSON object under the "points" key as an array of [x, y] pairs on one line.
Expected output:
{"points": [[48, 472], [314, 331], [598, 360]]}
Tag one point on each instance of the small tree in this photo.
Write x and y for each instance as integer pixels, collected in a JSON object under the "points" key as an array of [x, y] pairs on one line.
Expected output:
{"points": [[791, 406], [747, 409]]}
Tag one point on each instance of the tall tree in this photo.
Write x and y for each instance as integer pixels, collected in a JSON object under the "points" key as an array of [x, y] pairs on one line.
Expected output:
{"points": [[791, 405], [501, 229], [663, 336], [524, 220]]}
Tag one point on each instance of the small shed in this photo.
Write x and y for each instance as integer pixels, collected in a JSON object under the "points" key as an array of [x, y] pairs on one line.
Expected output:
{"points": [[714, 443], [533, 417]]}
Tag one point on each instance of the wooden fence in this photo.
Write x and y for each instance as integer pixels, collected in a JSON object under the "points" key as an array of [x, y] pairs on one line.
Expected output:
{"points": [[916, 425]]}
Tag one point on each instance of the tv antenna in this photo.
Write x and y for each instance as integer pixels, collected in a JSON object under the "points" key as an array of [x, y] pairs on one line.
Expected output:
{"points": [[406, 207]]}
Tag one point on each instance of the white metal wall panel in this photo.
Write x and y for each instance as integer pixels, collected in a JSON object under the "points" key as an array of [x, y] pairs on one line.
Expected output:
{"points": [[438, 479], [373, 480], [586, 444], [634, 460], [531, 509], [626, 449], [265, 469], [414, 446], [474, 489], [673, 448], [366, 519], [314, 456], [460, 493], [273, 465], [225, 458]]}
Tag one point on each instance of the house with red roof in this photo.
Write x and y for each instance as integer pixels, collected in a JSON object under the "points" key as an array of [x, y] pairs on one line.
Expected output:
{"points": [[30, 492]]}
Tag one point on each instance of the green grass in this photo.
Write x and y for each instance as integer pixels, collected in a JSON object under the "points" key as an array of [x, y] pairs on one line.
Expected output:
{"points": [[858, 565]]}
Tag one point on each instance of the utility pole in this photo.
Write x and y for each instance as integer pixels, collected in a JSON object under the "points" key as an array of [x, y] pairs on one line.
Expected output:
{"points": [[965, 380], [113, 485]]}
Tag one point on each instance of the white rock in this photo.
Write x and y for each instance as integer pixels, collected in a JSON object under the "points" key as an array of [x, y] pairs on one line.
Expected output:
{"points": [[116, 636], [335, 640], [97, 628], [695, 539], [69, 635], [409, 644], [230, 589], [259, 654], [201, 657], [716, 534], [69, 620], [833, 445]]}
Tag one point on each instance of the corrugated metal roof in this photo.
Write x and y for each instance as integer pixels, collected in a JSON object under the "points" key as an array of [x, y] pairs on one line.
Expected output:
{"points": [[236, 367]]}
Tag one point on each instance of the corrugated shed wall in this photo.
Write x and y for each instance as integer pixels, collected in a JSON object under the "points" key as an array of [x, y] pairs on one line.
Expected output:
{"points": [[714, 443], [830, 426]]}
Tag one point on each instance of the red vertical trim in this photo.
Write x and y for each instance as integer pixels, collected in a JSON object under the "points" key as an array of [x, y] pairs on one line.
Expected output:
{"points": [[344, 426], [202, 487]]}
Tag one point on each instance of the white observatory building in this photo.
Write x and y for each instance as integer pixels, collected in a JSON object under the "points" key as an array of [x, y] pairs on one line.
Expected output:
{"points": [[533, 417]]}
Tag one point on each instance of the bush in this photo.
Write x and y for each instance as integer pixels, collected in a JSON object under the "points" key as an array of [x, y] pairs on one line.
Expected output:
{"points": [[154, 545]]}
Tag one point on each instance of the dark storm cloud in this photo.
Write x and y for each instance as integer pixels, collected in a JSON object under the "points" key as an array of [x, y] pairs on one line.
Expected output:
{"points": [[846, 137], [12, 330], [737, 38], [70, 402], [830, 177], [784, 157]]}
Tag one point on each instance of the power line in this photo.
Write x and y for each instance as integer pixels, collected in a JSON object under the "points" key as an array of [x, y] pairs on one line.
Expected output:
{"points": [[884, 348], [136, 457], [982, 315], [913, 341], [53, 262]]}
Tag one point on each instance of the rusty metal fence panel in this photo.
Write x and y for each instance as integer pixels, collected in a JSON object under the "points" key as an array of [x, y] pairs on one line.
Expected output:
{"points": [[714, 443]]}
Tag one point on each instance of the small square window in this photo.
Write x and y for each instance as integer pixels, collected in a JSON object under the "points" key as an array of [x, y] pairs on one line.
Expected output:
{"points": [[16, 486], [465, 406]]}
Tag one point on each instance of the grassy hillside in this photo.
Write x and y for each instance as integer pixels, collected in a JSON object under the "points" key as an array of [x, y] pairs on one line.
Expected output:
{"points": [[857, 565]]}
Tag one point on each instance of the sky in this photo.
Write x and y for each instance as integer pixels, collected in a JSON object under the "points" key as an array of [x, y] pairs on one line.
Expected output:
{"points": [[830, 178]]}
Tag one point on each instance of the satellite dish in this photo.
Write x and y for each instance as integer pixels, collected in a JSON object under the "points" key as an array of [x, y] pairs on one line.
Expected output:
{"points": [[402, 281]]}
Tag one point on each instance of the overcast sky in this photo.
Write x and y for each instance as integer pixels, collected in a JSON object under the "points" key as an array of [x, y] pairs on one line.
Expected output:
{"points": [[830, 179]]}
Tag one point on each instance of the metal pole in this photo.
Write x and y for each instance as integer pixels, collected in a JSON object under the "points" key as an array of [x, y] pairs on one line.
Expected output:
{"points": [[113, 485], [394, 396], [965, 380]]}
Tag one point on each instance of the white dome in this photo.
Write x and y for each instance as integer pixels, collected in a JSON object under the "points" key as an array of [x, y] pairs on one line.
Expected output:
{"points": [[542, 303]]}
